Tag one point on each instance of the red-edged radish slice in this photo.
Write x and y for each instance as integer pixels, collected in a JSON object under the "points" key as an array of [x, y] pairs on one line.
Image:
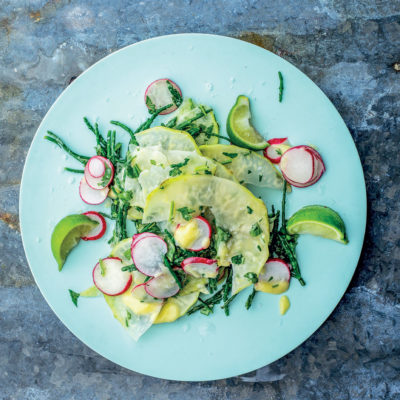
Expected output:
{"points": [[203, 241], [140, 294], [318, 167], [92, 196], [99, 230], [200, 267], [105, 180], [274, 277], [148, 255], [162, 286], [138, 236], [199, 225], [279, 141], [298, 165], [275, 149], [96, 167], [111, 280], [159, 94]]}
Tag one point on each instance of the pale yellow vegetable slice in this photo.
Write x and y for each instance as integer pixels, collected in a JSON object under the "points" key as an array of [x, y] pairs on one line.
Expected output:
{"points": [[247, 166], [168, 139], [235, 209], [176, 307]]}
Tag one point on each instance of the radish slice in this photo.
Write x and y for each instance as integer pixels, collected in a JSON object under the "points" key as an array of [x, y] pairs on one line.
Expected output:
{"points": [[111, 281], [140, 294], [203, 241], [99, 230], [279, 141], [296, 165], [159, 94], [275, 149], [162, 286], [96, 167], [92, 196], [137, 236], [320, 166], [276, 270], [148, 255], [200, 267], [103, 181]]}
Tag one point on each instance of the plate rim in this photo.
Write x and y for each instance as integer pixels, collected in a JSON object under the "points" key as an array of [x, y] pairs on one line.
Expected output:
{"points": [[211, 37]]}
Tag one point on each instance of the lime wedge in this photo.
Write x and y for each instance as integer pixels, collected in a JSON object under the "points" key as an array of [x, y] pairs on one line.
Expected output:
{"points": [[67, 234], [319, 221], [122, 250], [239, 127]]}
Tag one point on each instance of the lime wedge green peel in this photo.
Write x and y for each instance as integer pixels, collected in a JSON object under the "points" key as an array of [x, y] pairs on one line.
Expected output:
{"points": [[318, 221], [67, 234], [239, 128]]}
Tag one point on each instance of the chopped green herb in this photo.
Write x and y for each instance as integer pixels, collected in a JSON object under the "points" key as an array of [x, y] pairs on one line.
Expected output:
{"points": [[127, 254], [270, 278], [186, 213], [241, 182], [170, 245], [251, 276], [128, 317], [172, 272], [238, 259], [176, 168], [249, 210], [133, 172], [140, 209], [129, 268], [255, 230], [171, 211], [249, 171], [150, 105], [250, 299], [176, 96], [76, 171], [201, 168], [102, 267], [226, 162], [207, 172], [281, 87], [276, 285], [259, 247], [74, 297], [212, 285], [260, 178], [153, 162], [206, 310], [227, 303], [278, 151], [230, 155]]}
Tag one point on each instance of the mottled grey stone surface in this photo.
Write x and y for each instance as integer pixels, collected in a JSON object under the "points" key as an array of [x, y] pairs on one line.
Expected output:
{"points": [[347, 47]]}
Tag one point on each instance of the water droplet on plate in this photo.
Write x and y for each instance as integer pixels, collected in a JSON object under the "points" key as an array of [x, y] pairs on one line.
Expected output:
{"points": [[209, 86]]}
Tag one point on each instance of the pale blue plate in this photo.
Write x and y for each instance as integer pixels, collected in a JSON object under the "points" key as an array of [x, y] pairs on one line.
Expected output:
{"points": [[213, 70]]}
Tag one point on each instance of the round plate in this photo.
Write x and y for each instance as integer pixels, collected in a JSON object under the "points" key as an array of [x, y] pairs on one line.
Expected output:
{"points": [[213, 70]]}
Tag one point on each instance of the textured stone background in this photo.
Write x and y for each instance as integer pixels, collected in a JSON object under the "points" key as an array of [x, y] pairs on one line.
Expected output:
{"points": [[347, 47]]}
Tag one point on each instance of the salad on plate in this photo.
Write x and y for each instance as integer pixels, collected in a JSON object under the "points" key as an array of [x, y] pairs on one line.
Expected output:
{"points": [[201, 235]]}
